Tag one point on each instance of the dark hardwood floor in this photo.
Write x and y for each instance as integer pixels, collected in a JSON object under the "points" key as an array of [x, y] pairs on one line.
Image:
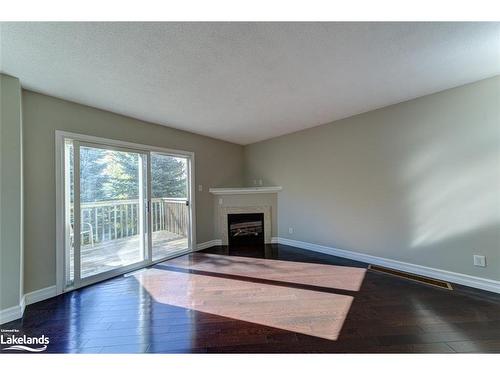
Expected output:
{"points": [[264, 300]]}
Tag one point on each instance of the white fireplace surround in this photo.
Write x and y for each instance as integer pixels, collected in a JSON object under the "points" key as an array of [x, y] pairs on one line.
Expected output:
{"points": [[266, 210], [246, 190]]}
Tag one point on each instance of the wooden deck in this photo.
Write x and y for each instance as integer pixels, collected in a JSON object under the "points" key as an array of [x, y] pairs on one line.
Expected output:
{"points": [[112, 254]]}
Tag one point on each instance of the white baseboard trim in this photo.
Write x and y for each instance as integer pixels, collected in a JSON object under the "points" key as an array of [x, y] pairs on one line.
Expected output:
{"points": [[206, 245], [452, 277], [11, 313], [23, 305], [40, 295], [16, 312]]}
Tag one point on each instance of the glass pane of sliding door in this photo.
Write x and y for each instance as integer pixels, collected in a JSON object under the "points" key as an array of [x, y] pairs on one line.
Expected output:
{"points": [[112, 189], [124, 208], [170, 210]]}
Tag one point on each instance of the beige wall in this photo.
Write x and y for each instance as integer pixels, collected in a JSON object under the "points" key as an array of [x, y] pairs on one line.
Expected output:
{"points": [[417, 181], [11, 185], [218, 163]]}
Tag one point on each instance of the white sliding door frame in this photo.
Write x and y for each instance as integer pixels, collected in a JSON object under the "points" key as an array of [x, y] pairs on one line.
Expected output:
{"points": [[142, 201], [61, 230], [190, 201]]}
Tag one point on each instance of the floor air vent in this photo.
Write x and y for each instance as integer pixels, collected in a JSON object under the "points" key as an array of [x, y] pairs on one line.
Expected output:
{"points": [[410, 276]]}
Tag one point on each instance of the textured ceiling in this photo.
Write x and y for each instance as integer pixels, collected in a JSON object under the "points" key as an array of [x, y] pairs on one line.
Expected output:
{"points": [[245, 82]]}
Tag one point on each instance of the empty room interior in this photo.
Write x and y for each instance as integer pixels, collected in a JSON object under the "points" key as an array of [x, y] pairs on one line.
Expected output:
{"points": [[250, 187]]}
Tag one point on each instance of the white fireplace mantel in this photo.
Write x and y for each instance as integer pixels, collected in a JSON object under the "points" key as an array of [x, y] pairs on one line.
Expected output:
{"points": [[246, 190]]}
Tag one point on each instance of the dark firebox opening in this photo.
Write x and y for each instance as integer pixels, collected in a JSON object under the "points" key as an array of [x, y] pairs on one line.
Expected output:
{"points": [[245, 229]]}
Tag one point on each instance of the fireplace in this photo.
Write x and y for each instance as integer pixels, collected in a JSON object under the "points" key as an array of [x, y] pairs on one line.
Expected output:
{"points": [[245, 229]]}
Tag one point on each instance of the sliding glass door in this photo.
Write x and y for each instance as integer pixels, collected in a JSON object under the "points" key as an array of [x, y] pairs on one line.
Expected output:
{"points": [[124, 208], [169, 205], [109, 211]]}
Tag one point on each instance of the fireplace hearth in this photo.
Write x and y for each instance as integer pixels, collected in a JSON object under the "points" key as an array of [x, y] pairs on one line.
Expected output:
{"points": [[245, 229]]}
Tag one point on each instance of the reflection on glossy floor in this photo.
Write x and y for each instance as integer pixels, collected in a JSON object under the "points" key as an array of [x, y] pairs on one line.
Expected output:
{"points": [[271, 299], [294, 308]]}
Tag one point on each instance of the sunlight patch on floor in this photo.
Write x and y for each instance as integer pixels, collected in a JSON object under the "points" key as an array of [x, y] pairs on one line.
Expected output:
{"points": [[322, 275], [304, 311]]}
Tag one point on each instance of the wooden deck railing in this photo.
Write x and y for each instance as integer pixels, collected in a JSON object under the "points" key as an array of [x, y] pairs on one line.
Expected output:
{"points": [[112, 220]]}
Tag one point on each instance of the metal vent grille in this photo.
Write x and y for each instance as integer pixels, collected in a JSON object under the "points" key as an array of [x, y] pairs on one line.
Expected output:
{"points": [[410, 276]]}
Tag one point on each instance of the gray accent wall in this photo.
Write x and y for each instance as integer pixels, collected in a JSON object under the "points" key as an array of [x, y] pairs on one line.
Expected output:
{"points": [[11, 197], [217, 163], [417, 182]]}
